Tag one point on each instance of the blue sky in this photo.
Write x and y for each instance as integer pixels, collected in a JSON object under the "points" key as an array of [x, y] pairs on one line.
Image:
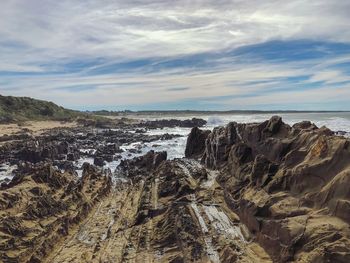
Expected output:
{"points": [[202, 55]]}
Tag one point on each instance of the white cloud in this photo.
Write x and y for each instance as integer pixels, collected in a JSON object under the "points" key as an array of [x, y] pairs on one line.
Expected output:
{"points": [[40, 36], [249, 85], [133, 29]]}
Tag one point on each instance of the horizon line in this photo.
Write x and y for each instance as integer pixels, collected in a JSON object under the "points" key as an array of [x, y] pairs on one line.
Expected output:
{"points": [[216, 111]]}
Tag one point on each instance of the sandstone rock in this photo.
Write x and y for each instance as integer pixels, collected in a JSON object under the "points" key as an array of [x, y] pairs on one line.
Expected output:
{"points": [[34, 219], [284, 181], [274, 124], [305, 125], [218, 144]]}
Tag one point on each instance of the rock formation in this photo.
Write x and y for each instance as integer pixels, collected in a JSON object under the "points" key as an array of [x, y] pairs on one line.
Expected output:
{"points": [[261, 192], [40, 208], [196, 143], [288, 185], [156, 211], [189, 123], [64, 147], [143, 165]]}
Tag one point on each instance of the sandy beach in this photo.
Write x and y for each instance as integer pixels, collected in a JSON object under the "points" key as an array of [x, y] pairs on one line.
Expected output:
{"points": [[34, 127]]}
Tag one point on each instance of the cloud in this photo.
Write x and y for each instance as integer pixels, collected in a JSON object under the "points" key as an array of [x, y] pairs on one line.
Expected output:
{"points": [[88, 54], [178, 89]]}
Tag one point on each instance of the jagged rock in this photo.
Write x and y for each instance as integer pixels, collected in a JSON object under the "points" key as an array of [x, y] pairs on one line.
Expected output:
{"points": [[34, 219], [274, 124], [140, 131], [262, 171], [39, 150], [108, 157], [305, 125], [218, 143], [159, 157], [99, 161], [143, 164], [73, 156], [289, 185], [13, 226], [64, 165], [190, 123], [196, 143]]}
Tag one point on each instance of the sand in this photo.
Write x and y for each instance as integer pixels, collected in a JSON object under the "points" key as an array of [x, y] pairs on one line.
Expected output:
{"points": [[35, 127]]}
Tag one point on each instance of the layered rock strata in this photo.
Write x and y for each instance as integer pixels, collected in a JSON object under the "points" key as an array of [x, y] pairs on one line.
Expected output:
{"points": [[289, 186], [41, 207], [155, 211]]}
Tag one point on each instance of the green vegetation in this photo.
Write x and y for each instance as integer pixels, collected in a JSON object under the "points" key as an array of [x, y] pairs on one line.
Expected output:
{"points": [[17, 109]]}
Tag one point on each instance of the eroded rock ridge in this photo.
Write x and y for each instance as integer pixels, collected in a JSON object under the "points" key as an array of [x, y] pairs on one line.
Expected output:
{"points": [[289, 186]]}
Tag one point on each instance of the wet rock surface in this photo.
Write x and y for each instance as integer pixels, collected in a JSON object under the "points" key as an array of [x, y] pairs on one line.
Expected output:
{"points": [[288, 185]]}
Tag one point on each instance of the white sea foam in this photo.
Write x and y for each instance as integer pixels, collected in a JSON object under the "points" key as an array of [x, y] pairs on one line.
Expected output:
{"points": [[6, 172], [214, 120], [89, 151]]}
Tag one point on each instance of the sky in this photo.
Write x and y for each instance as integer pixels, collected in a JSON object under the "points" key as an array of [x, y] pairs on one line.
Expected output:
{"points": [[173, 55]]}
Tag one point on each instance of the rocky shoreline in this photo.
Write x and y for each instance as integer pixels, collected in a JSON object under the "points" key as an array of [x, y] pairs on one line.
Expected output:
{"points": [[260, 192], [68, 148]]}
